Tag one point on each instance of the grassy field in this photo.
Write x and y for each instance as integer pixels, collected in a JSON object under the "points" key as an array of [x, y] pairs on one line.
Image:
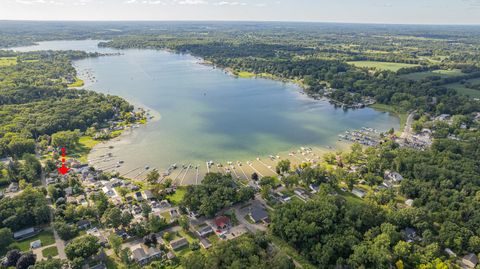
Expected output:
{"points": [[45, 236], [460, 88], [387, 108], [78, 83], [177, 197], [86, 143], [50, 252], [394, 67], [244, 74], [8, 61], [440, 73]]}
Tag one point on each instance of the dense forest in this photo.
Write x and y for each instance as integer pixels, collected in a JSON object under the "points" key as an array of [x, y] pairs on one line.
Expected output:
{"points": [[34, 100]]}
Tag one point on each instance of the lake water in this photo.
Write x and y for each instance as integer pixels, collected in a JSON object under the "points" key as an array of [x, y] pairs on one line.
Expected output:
{"points": [[205, 114]]}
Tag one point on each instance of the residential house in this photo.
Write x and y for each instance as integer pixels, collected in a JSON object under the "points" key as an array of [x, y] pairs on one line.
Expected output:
{"points": [[148, 195], [138, 196], [470, 261], [409, 202], [205, 231], [258, 214], [26, 233], [174, 213], [409, 235], [314, 188], [50, 181], [178, 243], [301, 193], [35, 244], [222, 222], [144, 255], [83, 224], [13, 187], [393, 176], [205, 243], [171, 255], [358, 192], [110, 192]]}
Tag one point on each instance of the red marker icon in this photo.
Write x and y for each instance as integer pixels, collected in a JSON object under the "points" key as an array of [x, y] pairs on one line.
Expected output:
{"points": [[63, 170]]}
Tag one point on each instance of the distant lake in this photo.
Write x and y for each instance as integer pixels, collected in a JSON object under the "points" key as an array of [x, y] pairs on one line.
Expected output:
{"points": [[204, 114]]}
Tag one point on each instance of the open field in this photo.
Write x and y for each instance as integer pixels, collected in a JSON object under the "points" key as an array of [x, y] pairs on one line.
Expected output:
{"points": [[460, 88], [394, 67], [78, 83], [86, 143], [8, 61], [244, 74], [437, 73]]}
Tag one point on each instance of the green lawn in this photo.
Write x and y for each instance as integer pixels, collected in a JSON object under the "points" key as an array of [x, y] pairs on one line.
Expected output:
{"points": [[78, 83], [45, 236], [394, 67], [245, 74], [460, 88], [440, 73], [50, 252], [177, 197], [86, 143], [387, 108], [8, 61]]}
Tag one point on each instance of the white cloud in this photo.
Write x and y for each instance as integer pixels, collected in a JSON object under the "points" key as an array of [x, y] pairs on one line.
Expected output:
{"points": [[227, 3]]}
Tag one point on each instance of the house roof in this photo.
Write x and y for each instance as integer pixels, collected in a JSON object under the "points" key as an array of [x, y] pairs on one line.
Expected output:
{"points": [[258, 214], [23, 232], [178, 243], [471, 258], [139, 254], [205, 229], [222, 221]]}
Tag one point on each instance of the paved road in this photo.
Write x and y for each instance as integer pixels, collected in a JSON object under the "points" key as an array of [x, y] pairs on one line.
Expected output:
{"points": [[59, 243], [407, 131]]}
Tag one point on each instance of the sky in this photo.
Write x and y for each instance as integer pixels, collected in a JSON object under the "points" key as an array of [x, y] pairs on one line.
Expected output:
{"points": [[353, 11]]}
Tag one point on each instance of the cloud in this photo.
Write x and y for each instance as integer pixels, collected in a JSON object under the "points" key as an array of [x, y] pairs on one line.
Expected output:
{"points": [[227, 3]]}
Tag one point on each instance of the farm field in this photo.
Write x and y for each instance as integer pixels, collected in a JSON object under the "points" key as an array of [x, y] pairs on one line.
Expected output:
{"points": [[8, 61], [394, 67], [439, 73], [461, 88]]}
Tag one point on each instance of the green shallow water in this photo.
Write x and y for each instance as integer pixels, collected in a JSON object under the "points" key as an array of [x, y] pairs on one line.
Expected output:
{"points": [[206, 114]]}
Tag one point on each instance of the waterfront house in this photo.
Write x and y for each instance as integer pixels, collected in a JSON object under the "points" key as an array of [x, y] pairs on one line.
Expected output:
{"points": [[178, 243]]}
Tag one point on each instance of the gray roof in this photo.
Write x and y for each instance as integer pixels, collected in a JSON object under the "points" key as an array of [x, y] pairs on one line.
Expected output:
{"points": [[139, 254], [23, 232], [178, 243], [258, 213]]}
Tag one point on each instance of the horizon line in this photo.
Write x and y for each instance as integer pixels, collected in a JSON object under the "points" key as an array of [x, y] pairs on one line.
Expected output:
{"points": [[251, 21]]}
